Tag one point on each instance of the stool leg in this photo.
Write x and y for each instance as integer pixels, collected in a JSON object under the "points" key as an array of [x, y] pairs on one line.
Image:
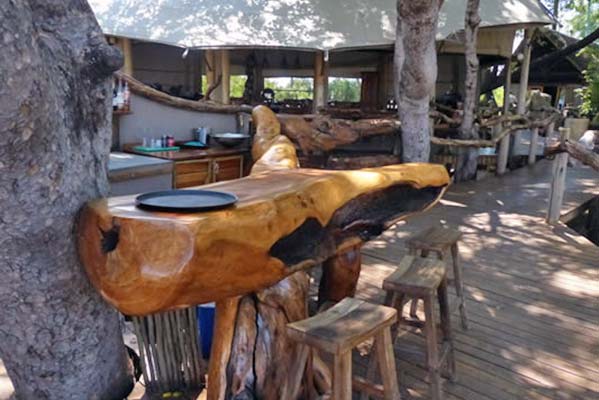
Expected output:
{"points": [[386, 359], [459, 285], [432, 350], [342, 376], [414, 305], [446, 328]]}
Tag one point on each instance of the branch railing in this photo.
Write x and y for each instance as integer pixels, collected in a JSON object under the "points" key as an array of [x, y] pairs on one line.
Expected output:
{"points": [[503, 127], [562, 151]]}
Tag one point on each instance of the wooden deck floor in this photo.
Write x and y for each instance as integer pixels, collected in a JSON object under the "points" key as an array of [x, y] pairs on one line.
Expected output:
{"points": [[532, 291]]}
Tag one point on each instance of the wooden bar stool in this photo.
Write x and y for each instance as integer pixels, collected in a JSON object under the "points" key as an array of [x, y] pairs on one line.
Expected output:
{"points": [[441, 241], [425, 278], [341, 328]]}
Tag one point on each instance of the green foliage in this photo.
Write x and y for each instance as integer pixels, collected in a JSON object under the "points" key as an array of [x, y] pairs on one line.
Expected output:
{"points": [[590, 93], [583, 18], [345, 89], [291, 88], [238, 85], [499, 94]]}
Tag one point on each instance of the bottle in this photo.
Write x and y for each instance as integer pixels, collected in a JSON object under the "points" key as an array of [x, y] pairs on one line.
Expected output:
{"points": [[119, 96], [126, 97], [114, 92], [170, 141]]}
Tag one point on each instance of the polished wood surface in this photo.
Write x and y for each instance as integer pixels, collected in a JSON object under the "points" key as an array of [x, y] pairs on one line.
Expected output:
{"points": [[343, 326], [286, 219]]}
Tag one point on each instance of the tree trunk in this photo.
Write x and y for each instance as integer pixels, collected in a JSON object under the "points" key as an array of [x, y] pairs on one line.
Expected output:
{"points": [[252, 357], [468, 156], [58, 339], [416, 71]]}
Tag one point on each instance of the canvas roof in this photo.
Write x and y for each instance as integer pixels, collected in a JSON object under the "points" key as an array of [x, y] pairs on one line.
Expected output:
{"points": [[298, 24]]}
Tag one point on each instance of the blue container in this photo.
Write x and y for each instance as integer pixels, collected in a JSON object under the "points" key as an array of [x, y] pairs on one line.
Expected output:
{"points": [[205, 314]]}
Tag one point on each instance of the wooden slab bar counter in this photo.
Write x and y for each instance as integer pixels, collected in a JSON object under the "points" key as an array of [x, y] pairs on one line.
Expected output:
{"points": [[249, 257]]}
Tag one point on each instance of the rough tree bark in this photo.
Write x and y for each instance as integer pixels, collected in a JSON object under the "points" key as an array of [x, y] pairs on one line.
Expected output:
{"points": [[58, 339], [416, 72], [467, 158]]}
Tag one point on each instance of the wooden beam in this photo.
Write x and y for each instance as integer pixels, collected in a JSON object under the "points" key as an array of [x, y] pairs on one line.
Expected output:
{"points": [[148, 92], [558, 182]]}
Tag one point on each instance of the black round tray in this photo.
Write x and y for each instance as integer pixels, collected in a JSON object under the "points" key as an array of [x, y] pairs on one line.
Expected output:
{"points": [[185, 200]]}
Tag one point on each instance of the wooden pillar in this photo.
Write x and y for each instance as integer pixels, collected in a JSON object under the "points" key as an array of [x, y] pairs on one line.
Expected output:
{"points": [[504, 144], [320, 81], [209, 69], [503, 152], [534, 141], [507, 86], [225, 70], [524, 72], [258, 81], [558, 183], [549, 133], [125, 45]]}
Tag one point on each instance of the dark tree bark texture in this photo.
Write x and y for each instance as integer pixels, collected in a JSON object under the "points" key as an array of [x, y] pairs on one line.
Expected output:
{"points": [[58, 339], [416, 72]]}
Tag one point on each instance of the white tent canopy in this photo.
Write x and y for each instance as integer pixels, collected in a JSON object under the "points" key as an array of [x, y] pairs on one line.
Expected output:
{"points": [[299, 24]]}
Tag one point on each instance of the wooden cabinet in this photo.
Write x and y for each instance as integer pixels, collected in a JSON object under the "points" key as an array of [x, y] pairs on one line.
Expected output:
{"points": [[191, 173], [200, 172]]}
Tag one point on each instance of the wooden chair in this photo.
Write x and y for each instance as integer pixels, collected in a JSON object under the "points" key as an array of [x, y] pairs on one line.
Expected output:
{"points": [[441, 241], [425, 278], [341, 328]]}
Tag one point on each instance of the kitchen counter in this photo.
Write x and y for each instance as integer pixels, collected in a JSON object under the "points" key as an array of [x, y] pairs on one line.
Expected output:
{"points": [[186, 154], [196, 167], [131, 173]]}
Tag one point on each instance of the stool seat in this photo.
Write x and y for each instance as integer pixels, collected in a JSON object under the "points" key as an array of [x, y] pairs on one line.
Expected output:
{"points": [[416, 276], [343, 326], [436, 238]]}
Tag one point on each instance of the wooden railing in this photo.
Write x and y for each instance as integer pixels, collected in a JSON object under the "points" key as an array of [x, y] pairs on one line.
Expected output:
{"points": [[502, 127], [562, 151]]}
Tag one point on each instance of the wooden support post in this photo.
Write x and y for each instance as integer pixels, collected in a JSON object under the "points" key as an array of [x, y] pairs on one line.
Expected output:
{"points": [[558, 183], [225, 69], [504, 144], [340, 276], [524, 72], [125, 45], [507, 86], [534, 142], [504, 149], [209, 69], [549, 134], [320, 81]]}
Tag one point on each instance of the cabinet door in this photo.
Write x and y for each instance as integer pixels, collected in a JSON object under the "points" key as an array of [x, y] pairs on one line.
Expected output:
{"points": [[227, 168], [191, 173]]}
